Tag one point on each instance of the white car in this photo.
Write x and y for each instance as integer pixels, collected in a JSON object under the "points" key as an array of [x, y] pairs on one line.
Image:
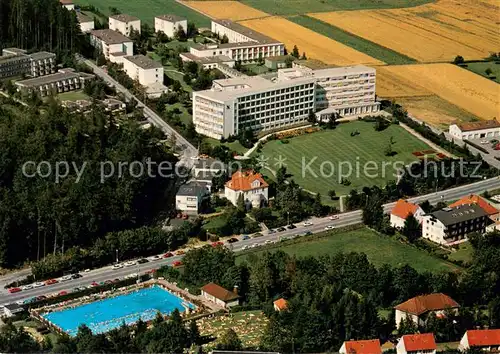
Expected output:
{"points": [[329, 227], [117, 266], [245, 247], [38, 284], [20, 302], [334, 217], [268, 242], [27, 287], [130, 263], [484, 141], [307, 223], [66, 278], [154, 258], [255, 245]]}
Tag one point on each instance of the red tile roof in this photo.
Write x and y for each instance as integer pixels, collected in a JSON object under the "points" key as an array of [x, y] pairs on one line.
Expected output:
{"points": [[483, 337], [66, 2], [414, 342], [281, 304], [424, 303], [370, 346], [475, 199], [403, 208], [483, 124], [242, 181], [219, 292]]}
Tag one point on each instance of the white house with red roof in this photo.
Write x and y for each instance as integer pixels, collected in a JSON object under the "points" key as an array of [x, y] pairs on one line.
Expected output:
{"points": [[418, 307], [487, 340], [250, 184], [416, 344], [401, 211], [370, 346]]}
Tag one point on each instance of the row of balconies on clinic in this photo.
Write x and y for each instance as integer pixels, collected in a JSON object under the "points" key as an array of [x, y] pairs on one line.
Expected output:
{"points": [[345, 84], [277, 103], [296, 88], [342, 97], [274, 118], [276, 96], [210, 126], [346, 78], [270, 108]]}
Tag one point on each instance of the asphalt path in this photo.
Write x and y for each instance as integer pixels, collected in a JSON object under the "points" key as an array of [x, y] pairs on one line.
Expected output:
{"points": [[318, 225]]}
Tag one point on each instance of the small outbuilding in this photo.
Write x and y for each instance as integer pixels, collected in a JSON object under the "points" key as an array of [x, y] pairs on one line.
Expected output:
{"points": [[220, 296], [11, 310]]}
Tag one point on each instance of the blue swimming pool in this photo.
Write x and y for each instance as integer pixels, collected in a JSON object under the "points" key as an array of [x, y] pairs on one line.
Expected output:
{"points": [[105, 315]]}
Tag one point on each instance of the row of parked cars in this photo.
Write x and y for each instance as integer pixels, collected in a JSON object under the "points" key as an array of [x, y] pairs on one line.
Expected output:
{"points": [[39, 284]]}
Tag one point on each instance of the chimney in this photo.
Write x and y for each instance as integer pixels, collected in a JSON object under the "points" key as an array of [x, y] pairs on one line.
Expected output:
{"points": [[235, 289]]}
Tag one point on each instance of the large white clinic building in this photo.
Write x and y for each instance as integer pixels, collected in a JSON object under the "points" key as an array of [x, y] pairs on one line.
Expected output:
{"points": [[124, 23], [113, 45], [169, 24], [260, 104]]}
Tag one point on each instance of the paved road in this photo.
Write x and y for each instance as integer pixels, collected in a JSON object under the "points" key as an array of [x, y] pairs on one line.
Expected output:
{"points": [[187, 149], [319, 224]]}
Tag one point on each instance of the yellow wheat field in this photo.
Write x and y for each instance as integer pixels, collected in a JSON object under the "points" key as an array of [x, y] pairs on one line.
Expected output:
{"points": [[458, 86], [232, 10], [315, 46], [431, 32]]}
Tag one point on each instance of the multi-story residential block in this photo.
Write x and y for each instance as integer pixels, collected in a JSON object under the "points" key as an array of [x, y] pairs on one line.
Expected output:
{"points": [[62, 81], [113, 45], [485, 129], [452, 225], [124, 24], [236, 104], [86, 23], [346, 90], [14, 65], [148, 72], [244, 44], [248, 185], [42, 63], [68, 4], [169, 24]]}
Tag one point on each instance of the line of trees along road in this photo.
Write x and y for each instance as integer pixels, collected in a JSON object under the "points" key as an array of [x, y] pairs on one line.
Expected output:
{"points": [[38, 215]]}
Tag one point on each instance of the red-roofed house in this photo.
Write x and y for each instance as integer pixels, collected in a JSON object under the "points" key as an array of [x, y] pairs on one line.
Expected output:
{"points": [[370, 346], [415, 308], [219, 295], [250, 184], [492, 212], [487, 340], [416, 344], [280, 304], [401, 211]]}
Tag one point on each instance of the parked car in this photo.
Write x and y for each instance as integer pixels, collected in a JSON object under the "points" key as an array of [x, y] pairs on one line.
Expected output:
{"points": [[38, 284], [307, 223], [232, 240], [180, 252], [291, 227], [64, 292], [27, 287], [41, 297], [154, 258], [333, 217], [14, 290], [117, 266], [51, 281], [281, 229], [258, 234], [168, 255], [484, 142], [218, 243], [177, 264], [94, 284], [66, 278], [130, 263], [108, 282], [271, 231], [76, 276], [142, 261], [307, 233], [245, 237], [329, 227], [268, 242], [245, 247]]}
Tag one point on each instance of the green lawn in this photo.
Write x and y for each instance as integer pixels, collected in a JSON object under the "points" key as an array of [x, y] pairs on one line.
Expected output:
{"points": [[294, 7], [234, 146], [319, 160], [146, 10], [374, 50], [479, 69], [73, 96], [463, 254], [379, 249]]}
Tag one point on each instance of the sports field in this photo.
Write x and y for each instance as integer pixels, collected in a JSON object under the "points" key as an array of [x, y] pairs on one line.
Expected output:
{"points": [[146, 10], [294, 7], [432, 32], [471, 92], [232, 10], [329, 154], [379, 250], [313, 44]]}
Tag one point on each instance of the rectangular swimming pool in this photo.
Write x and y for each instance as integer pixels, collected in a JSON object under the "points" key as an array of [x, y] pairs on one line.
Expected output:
{"points": [[104, 315]]}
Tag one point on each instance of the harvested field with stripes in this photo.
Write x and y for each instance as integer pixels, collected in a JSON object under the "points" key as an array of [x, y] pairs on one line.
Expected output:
{"points": [[313, 44], [232, 10], [428, 33]]}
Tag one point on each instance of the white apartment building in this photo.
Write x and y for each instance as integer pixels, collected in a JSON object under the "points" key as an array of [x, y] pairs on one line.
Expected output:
{"points": [[86, 23], [113, 45], [143, 69], [124, 23], [232, 105], [244, 44], [346, 90], [169, 24], [452, 225], [15, 62], [485, 129], [42, 63]]}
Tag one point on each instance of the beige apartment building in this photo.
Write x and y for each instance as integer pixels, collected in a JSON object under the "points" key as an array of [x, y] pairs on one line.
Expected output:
{"points": [[169, 24], [113, 45], [124, 23], [15, 62], [86, 23], [64, 80], [143, 69]]}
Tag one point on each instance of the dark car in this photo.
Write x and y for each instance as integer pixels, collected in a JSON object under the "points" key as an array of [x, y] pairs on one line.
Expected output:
{"points": [[142, 261], [76, 276], [271, 231], [308, 233], [281, 229], [291, 227], [232, 240]]}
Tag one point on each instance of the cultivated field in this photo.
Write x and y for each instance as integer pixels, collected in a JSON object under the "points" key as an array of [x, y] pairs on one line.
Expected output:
{"points": [[232, 10], [379, 250], [313, 44], [431, 32], [338, 149], [461, 87]]}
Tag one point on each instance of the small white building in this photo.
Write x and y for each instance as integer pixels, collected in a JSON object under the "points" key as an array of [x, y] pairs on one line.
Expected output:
{"points": [[124, 24], [143, 69], [483, 340], [190, 196], [249, 184], [220, 296], [368, 346], [11, 310], [418, 307], [401, 211], [169, 24], [113, 45], [86, 22], [205, 169], [417, 344], [68, 4], [449, 226], [484, 129]]}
